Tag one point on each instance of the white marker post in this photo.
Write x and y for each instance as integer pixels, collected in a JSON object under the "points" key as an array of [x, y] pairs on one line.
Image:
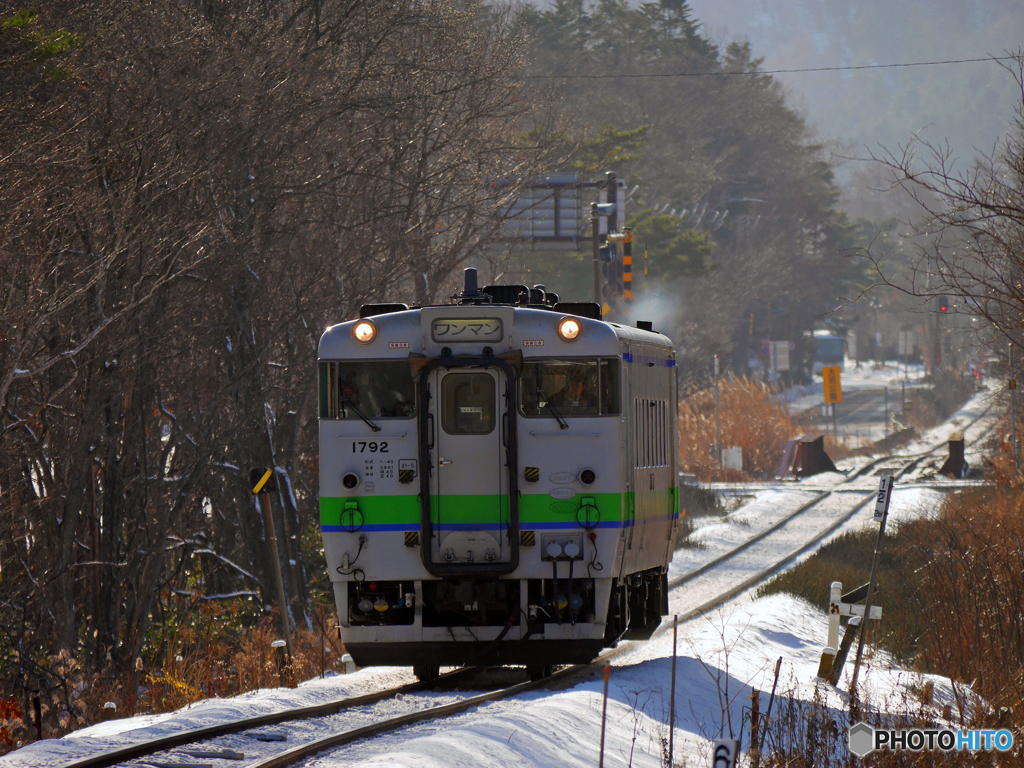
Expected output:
{"points": [[881, 515], [828, 653]]}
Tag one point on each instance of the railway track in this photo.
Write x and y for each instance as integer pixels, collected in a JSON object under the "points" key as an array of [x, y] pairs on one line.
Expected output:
{"points": [[910, 462], [148, 753]]}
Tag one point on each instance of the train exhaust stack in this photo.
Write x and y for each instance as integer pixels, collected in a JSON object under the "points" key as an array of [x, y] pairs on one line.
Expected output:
{"points": [[805, 456]]}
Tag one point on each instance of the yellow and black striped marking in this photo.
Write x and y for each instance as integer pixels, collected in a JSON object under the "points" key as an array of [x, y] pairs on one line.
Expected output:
{"points": [[528, 538], [627, 266], [406, 475], [532, 474], [412, 538]]}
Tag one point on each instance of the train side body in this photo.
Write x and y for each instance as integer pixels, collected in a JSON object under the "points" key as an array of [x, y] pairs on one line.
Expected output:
{"points": [[466, 517]]}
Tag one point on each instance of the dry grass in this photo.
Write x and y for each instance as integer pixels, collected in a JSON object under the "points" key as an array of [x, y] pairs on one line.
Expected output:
{"points": [[972, 593], [953, 598], [750, 418], [209, 658], [999, 450]]}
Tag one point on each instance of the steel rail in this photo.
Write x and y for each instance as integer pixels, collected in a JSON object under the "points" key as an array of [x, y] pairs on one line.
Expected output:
{"points": [[191, 736], [690, 575]]}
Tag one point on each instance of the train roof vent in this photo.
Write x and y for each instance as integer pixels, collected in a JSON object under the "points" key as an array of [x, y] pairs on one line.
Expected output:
{"points": [[370, 310], [507, 294], [645, 325], [588, 309], [539, 294]]}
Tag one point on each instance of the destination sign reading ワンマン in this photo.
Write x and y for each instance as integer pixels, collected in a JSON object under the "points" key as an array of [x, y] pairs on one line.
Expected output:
{"points": [[466, 329]]}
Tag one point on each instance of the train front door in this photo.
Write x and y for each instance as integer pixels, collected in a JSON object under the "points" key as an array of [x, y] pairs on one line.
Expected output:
{"points": [[469, 483]]}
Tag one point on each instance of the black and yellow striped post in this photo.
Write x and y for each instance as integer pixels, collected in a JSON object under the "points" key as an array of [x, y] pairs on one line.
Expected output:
{"points": [[262, 482], [627, 265]]}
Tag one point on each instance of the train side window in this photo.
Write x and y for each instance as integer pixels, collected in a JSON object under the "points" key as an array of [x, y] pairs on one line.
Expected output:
{"points": [[376, 389], [662, 432], [468, 404]]}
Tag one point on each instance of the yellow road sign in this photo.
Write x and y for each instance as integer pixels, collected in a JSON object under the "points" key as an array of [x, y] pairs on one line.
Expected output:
{"points": [[830, 384]]}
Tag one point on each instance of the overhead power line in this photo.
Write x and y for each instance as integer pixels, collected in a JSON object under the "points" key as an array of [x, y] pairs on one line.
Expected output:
{"points": [[852, 68]]}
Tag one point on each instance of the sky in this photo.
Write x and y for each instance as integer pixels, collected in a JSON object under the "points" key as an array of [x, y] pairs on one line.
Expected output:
{"points": [[870, 111]]}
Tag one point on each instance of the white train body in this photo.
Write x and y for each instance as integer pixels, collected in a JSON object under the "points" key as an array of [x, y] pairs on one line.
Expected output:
{"points": [[471, 515]]}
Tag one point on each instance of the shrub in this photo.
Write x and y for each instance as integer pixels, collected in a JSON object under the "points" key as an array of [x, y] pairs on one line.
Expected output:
{"points": [[749, 417], [952, 592]]}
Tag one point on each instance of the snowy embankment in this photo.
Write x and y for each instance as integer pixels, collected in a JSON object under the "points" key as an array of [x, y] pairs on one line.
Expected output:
{"points": [[721, 657]]}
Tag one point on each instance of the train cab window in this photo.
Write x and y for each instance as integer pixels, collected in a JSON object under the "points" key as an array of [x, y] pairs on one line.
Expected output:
{"points": [[570, 388], [468, 404], [377, 389]]}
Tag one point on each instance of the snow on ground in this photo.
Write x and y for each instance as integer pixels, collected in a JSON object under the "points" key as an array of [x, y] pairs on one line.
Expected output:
{"points": [[721, 656]]}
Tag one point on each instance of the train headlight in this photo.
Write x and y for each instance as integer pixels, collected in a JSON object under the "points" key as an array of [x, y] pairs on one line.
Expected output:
{"points": [[569, 328], [588, 476], [350, 480], [364, 331]]}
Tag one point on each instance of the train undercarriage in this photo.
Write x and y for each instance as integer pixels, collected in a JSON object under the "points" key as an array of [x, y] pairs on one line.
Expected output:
{"points": [[498, 621]]}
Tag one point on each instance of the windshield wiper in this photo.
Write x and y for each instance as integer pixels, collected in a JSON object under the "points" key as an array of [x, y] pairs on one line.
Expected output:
{"points": [[562, 423], [360, 414]]}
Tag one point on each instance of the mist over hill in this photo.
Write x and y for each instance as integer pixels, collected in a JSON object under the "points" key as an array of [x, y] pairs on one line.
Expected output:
{"points": [[968, 105]]}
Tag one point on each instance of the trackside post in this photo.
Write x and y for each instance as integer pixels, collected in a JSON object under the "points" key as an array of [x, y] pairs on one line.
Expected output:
{"points": [[262, 482], [881, 515], [604, 714]]}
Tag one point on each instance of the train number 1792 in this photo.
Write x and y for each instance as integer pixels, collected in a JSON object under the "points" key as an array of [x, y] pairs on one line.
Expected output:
{"points": [[361, 446]]}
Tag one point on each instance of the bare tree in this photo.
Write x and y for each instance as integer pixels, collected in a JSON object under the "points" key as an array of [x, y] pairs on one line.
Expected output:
{"points": [[969, 239], [193, 193]]}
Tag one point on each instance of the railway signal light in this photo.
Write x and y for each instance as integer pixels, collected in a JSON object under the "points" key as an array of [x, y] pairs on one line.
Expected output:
{"points": [[613, 272], [943, 304]]}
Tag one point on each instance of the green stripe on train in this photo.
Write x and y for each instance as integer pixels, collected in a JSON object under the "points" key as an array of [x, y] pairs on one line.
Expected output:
{"points": [[534, 508]]}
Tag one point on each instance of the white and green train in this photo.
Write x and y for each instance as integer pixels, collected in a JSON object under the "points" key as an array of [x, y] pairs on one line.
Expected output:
{"points": [[497, 480]]}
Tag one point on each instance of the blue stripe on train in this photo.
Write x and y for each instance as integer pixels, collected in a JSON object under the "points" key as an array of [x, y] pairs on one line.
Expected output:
{"points": [[660, 361]]}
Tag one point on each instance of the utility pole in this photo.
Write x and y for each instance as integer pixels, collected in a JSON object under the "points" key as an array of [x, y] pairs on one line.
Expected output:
{"points": [[596, 237], [718, 444], [886, 412]]}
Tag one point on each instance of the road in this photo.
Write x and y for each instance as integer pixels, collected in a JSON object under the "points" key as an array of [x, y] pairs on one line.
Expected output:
{"points": [[870, 398]]}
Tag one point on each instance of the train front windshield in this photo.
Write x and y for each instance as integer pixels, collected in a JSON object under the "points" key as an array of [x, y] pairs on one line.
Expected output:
{"points": [[570, 387], [374, 389]]}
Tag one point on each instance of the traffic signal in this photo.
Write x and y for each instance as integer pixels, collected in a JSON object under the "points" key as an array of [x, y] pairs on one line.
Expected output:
{"points": [[612, 271], [943, 304]]}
